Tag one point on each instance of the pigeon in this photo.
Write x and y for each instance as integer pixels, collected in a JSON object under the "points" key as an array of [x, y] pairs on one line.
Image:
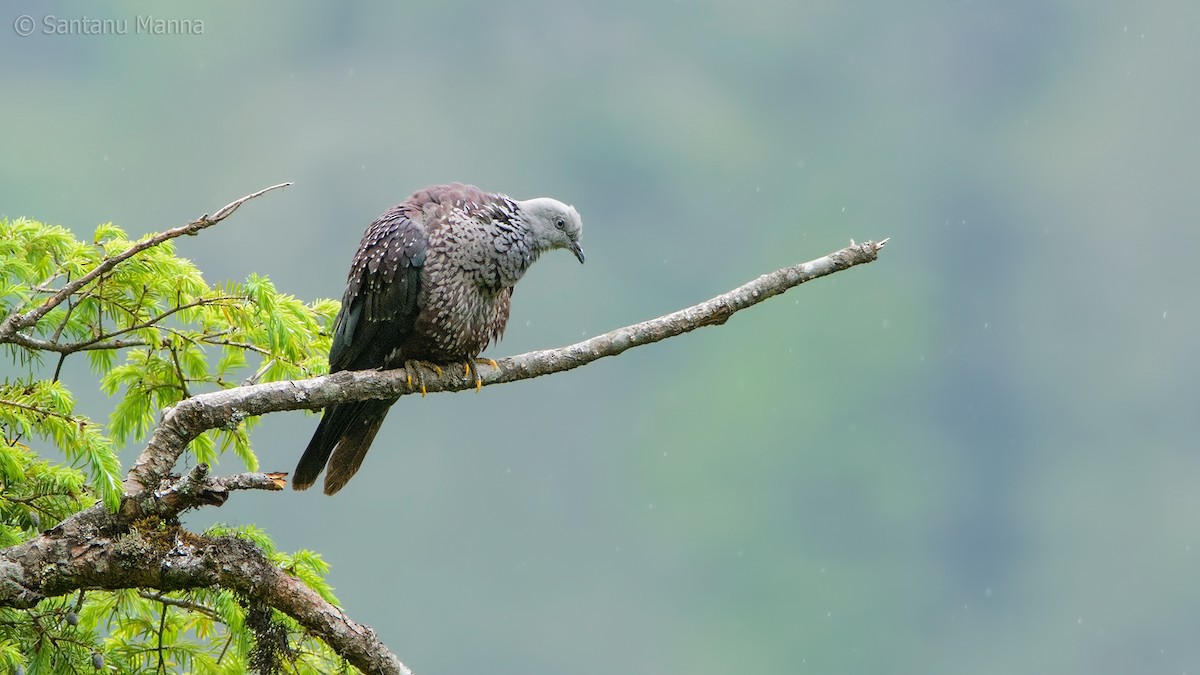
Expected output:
{"points": [[431, 284]]}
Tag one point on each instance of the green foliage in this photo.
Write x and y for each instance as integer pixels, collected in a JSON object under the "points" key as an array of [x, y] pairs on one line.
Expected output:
{"points": [[155, 333], [177, 335], [141, 631]]}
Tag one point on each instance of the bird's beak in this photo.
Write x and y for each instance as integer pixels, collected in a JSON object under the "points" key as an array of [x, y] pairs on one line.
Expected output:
{"points": [[577, 250]]}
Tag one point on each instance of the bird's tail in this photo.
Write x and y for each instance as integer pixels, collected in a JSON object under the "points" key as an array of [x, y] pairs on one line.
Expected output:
{"points": [[345, 432]]}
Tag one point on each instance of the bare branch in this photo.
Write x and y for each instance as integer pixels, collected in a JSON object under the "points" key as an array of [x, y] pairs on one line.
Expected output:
{"points": [[197, 488], [34, 344], [227, 408], [253, 480], [17, 321]]}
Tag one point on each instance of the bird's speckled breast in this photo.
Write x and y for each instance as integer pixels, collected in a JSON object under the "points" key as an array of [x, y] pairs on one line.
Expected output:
{"points": [[464, 302]]}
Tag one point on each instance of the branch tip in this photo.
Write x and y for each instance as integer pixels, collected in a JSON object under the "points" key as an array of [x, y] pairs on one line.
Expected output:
{"points": [[228, 209]]}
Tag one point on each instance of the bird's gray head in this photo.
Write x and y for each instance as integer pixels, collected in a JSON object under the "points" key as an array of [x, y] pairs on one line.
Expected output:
{"points": [[553, 224]]}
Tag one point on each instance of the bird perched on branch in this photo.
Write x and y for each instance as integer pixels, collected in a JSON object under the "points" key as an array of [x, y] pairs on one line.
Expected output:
{"points": [[431, 284]]}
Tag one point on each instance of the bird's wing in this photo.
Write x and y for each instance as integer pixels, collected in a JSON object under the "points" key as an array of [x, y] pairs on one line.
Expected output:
{"points": [[377, 316], [380, 305]]}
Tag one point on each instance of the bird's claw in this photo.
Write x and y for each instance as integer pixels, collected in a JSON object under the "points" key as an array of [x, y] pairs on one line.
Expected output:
{"points": [[412, 369], [472, 370]]}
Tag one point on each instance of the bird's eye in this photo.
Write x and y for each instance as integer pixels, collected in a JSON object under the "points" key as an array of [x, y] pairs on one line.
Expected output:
{"points": [[560, 224]]}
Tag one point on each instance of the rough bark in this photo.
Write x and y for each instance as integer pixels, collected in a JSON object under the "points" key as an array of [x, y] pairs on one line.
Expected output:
{"points": [[99, 550], [143, 546]]}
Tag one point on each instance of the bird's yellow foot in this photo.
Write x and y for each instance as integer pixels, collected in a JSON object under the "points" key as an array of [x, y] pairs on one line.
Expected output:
{"points": [[412, 370], [472, 370]]}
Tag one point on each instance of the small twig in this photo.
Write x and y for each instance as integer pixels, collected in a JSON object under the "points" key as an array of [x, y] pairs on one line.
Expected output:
{"points": [[40, 411], [253, 379], [63, 350], [162, 626], [224, 649], [182, 604], [66, 319], [240, 345], [106, 340], [58, 367], [227, 210], [183, 380], [202, 302]]}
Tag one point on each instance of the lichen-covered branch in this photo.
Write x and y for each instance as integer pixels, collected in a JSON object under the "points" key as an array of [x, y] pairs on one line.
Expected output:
{"points": [[197, 488], [100, 550]]}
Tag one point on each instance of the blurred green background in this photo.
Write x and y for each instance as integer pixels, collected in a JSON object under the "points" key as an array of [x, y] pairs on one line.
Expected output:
{"points": [[978, 454]]}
